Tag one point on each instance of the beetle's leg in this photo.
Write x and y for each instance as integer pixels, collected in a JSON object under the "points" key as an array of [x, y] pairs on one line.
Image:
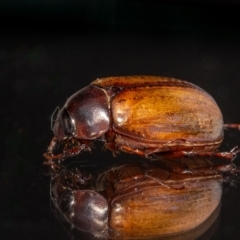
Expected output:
{"points": [[49, 154], [72, 147], [52, 145], [218, 169], [231, 155], [112, 147], [177, 164], [190, 151], [110, 143], [169, 148], [232, 125], [140, 152], [161, 150], [196, 165], [62, 156]]}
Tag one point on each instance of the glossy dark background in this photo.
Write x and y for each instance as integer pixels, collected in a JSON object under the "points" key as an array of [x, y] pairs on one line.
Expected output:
{"points": [[50, 49]]}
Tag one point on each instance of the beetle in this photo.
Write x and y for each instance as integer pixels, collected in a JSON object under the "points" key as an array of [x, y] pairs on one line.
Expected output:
{"points": [[136, 199], [144, 115]]}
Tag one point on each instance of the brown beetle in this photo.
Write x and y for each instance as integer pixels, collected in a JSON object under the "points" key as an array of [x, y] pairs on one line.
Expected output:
{"points": [[137, 200], [142, 115]]}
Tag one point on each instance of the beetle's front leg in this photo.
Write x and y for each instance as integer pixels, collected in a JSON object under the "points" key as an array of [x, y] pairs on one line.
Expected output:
{"points": [[71, 148]]}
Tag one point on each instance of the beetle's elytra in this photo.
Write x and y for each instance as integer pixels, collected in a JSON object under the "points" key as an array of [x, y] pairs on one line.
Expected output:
{"points": [[141, 115]]}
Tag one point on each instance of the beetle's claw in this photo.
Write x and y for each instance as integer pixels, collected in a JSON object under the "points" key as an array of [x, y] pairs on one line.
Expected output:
{"points": [[235, 151]]}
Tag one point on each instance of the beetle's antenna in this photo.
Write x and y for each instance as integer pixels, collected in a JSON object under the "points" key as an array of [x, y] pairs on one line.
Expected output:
{"points": [[52, 116]]}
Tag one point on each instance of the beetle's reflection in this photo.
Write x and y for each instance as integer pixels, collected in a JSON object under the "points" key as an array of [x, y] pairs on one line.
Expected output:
{"points": [[137, 200], [203, 232]]}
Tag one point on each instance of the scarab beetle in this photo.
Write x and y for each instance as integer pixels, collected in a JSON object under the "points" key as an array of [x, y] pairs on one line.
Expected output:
{"points": [[136, 200], [144, 115]]}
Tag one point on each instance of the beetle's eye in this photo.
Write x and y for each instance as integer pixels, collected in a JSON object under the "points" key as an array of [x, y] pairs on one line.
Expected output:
{"points": [[67, 123]]}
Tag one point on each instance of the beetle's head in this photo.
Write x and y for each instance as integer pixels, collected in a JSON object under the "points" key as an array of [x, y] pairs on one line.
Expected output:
{"points": [[64, 125], [84, 116]]}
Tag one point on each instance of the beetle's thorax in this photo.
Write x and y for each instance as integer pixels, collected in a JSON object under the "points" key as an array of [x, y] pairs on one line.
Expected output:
{"points": [[87, 114]]}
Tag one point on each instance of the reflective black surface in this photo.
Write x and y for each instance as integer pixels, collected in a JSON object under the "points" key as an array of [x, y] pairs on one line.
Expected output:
{"points": [[45, 58]]}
